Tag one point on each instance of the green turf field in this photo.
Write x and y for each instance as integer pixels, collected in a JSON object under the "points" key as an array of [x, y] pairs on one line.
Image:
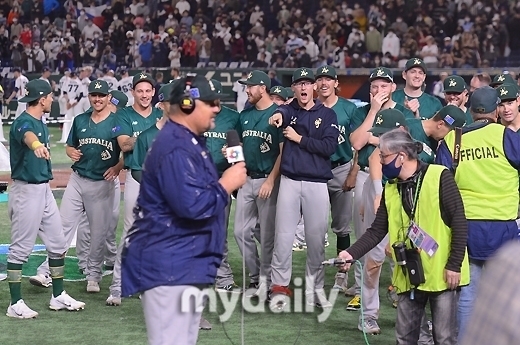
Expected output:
{"points": [[99, 324]]}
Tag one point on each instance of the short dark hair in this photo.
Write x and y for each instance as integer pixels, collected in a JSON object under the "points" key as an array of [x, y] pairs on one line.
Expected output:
{"points": [[34, 103]]}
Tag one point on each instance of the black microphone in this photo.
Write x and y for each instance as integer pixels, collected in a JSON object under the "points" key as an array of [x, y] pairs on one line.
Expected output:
{"points": [[337, 262], [234, 151]]}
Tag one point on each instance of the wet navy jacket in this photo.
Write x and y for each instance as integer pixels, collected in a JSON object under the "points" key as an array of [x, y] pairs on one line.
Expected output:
{"points": [[318, 126], [178, 234]]}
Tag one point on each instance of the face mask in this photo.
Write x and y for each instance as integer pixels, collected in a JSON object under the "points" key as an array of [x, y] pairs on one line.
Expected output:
{"points": [[82, 13], [67, 34], [170, 16], [96, 36], [292, 37], [390, 170], [237, 36], [270, 35], [371, 28], [399, 20], [115, 17], [73, 25], [15, 21], [16, 41], [344, 6], [45, 22], [127, 11], [257, 8], [36, 21], [36, 47], [110, 30], [258, 24]]}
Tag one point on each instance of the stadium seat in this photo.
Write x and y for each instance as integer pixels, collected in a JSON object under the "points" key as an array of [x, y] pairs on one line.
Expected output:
{"points": [[223, 65]]}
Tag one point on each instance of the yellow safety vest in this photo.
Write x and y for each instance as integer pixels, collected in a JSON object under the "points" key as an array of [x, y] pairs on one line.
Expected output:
{"points": [[486, 180], [427, 217]]}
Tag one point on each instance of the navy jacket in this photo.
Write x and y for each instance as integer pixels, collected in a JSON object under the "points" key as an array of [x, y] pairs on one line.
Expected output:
{"points": [[178, 234], [318, 126], [485, 237]]}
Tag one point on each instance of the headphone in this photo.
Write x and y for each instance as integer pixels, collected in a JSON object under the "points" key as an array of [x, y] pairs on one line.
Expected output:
{"points": [[187, 102]]}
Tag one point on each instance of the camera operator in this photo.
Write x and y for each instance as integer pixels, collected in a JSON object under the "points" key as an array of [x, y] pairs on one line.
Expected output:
{"points": [[89, 53], [421, 209], [108, 59]]}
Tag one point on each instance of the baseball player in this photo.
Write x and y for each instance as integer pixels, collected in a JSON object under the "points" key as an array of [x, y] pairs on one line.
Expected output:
{"points": [[62, 98], [278, 95], [91, 189], [227, 119], [126, 85], [311, 133], [456, 93], [340, 187], [508, 107], [381, 88], [19, 91], [73, 89], [412, 96], [503, 78], [241, 96], [256, 200], [113, 84], [131, 121], [32, 208], [84, 103]]}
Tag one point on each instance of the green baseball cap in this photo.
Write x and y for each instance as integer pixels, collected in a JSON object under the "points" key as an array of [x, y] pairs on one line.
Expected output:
{"points": [[303, 73], [507, 92], [484, 100], [386, 120], [453, 116], [257, 77], [454, 84], [500, 79], [140, 77], [415, 62], [382, 73], [165, 91], [217, 85], [326, 71], [279, 91], [98, 87], [119, 99], [201, 89], [290, 92], [35, 89]]}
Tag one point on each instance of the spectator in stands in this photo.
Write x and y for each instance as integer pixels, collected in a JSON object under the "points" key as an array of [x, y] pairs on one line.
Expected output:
{"points": [[430, 52], [391, 44]]}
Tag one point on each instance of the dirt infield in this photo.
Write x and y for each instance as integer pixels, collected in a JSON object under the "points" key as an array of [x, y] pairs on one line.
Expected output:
{"points": [[61, 178]]}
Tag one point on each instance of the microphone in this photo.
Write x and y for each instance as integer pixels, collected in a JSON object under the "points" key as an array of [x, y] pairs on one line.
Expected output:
{"points": [[337, 262], [234, 151]]}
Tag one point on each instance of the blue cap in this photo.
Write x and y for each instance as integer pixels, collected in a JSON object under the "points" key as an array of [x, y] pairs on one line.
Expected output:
{"points": [[484, 100]]}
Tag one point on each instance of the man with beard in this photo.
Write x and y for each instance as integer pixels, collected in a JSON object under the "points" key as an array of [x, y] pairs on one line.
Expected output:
{"points": [[421, 104], [456, 93], [382, 87], [131, 121], [311, 132], [256, 200]]}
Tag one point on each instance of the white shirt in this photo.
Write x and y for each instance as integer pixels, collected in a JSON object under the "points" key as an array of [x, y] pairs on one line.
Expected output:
{"points": [[73, 89], [63, 84], [241, 92], [111, 81], [391, 44], [430, 49], [126, 85], [182, 6], [19, 84], [84, 86], [47, 80]]}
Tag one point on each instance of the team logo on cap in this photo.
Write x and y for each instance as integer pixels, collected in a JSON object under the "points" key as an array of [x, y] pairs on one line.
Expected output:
{"points": [[450, 120], [194, 93], [211, 86], [142, 76], [250, 75], [277, 90], [27, 92], [303, 74], [417, 62], [503, 91], [97, 86], [379, 120], [501, 78], [452, 83], [325, 70], [380, 72]]}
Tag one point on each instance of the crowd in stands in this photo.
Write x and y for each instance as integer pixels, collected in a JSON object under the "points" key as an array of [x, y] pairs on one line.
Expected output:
{"points": [[286, 33]]}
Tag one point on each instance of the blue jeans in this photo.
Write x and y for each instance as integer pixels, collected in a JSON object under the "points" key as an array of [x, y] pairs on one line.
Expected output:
{"points": [[410, 315], [468, 295]]}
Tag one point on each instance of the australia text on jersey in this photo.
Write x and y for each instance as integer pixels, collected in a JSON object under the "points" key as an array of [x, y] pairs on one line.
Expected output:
{"points": [[258, 134], [102, 142]]}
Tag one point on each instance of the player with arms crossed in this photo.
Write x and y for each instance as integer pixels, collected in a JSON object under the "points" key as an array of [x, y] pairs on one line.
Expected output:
{"points": [[32, 207], [131, 121]]}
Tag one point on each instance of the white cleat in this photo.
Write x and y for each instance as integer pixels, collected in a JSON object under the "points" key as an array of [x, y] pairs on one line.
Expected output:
{"points": [[278, 302], [20, 310], [113, 301], [41, 280], [322, 299], [64, 301], [93, 287]]}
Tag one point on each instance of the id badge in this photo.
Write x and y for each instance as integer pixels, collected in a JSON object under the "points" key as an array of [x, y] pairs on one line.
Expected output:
{"points": [[422, 240]]}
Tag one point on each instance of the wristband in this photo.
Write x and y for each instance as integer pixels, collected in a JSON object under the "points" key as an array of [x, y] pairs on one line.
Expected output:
{"points": [[35, 145], [378, 187]]}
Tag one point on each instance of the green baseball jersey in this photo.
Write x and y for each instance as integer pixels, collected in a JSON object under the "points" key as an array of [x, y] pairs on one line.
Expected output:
{"points": [[100, 150], [142, 144], [131, 123], [469, 118], [356, 122], [227, 119], [346, 111], [25, 166], [261, 141], [416, 130], [428, 104]]}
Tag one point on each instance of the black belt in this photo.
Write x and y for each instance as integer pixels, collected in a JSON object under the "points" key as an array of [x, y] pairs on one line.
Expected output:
{"points": [[363, 168], [42, 182], [334, 165], [256, 175]]}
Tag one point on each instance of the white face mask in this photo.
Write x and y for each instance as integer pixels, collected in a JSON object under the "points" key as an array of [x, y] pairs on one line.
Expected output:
{"points": [[258, 24], [115, 17], [292, 37], [170, 16], [82, 13], [67, 34], [270, 35], [96, 36], [237, 36], [371, 28], [45, 22], [257, 8]]}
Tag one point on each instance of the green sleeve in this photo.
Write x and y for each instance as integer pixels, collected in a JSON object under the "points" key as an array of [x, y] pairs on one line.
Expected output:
{"points": [[139, 153], [72, 140], [20, 131], [123, 124], [359, 117]]}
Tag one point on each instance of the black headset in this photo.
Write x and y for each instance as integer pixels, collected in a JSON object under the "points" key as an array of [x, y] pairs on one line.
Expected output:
{"points": [[187, 102]]}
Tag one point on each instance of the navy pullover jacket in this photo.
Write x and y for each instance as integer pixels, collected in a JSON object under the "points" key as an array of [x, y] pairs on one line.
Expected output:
{"points": [[310, 159]]}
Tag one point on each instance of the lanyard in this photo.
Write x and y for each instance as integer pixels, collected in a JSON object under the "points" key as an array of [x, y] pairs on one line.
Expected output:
{"points": [[416, 196]]}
